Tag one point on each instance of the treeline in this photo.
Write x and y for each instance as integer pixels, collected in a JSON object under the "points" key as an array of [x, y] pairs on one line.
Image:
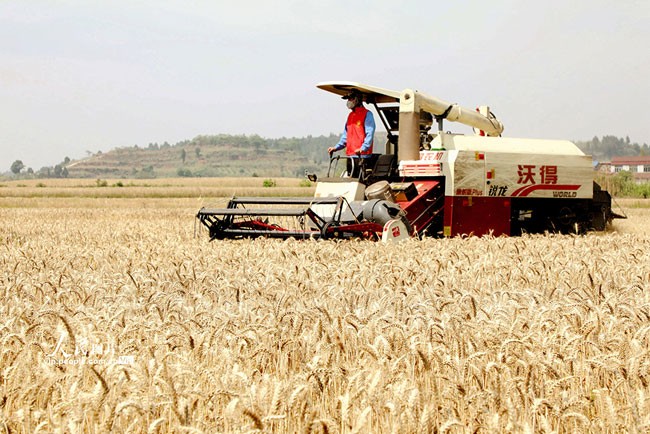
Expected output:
{"points": [[245, 155], [605, 148], [60, 170]]}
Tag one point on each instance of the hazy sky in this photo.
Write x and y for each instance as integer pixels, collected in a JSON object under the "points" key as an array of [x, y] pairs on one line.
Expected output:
{"points": [[79, 76]]}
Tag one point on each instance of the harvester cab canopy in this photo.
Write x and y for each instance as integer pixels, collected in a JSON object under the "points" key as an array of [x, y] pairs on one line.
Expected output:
{"points": [[385, 102], [371, 94]]}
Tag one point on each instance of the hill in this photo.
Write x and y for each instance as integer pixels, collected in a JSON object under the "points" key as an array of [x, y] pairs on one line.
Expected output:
{"points": [[209, 156], [225, 155], [241, 155]]}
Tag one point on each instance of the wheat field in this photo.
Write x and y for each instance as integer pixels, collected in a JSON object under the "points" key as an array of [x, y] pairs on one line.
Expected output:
{"points": [[120, 316]]}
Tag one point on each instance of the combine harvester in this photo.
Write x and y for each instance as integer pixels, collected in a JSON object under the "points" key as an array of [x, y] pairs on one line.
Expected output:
{"points": [[432, 183]]}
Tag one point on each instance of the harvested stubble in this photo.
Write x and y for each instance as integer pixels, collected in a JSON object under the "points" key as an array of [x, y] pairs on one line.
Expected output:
{"points": [[538, 333]]}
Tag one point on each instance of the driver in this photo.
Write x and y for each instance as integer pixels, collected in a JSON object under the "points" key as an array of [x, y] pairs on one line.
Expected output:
{"points": [[358, 133]]}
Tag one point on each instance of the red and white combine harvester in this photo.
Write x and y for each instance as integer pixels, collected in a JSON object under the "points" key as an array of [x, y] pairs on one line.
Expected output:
{"points": [[432, 183]]}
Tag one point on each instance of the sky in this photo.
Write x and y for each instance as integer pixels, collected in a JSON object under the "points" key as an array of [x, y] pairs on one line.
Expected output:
{"points": [[80, 76]]}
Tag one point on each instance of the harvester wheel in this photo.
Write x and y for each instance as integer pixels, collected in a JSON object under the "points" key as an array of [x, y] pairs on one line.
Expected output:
{"points": [[324, 230], [566, 216]]}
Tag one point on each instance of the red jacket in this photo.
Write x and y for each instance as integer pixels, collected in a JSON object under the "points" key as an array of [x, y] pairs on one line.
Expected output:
{"points": [[356, 131]]}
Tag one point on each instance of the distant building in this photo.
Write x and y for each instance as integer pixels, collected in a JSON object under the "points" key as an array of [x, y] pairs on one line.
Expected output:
{"points": [[603, 167], [638, 166]]}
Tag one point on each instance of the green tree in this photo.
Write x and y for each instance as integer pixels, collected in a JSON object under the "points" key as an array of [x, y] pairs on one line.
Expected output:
{"points": [[17, 166], [184, 172], [183, 155]]}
